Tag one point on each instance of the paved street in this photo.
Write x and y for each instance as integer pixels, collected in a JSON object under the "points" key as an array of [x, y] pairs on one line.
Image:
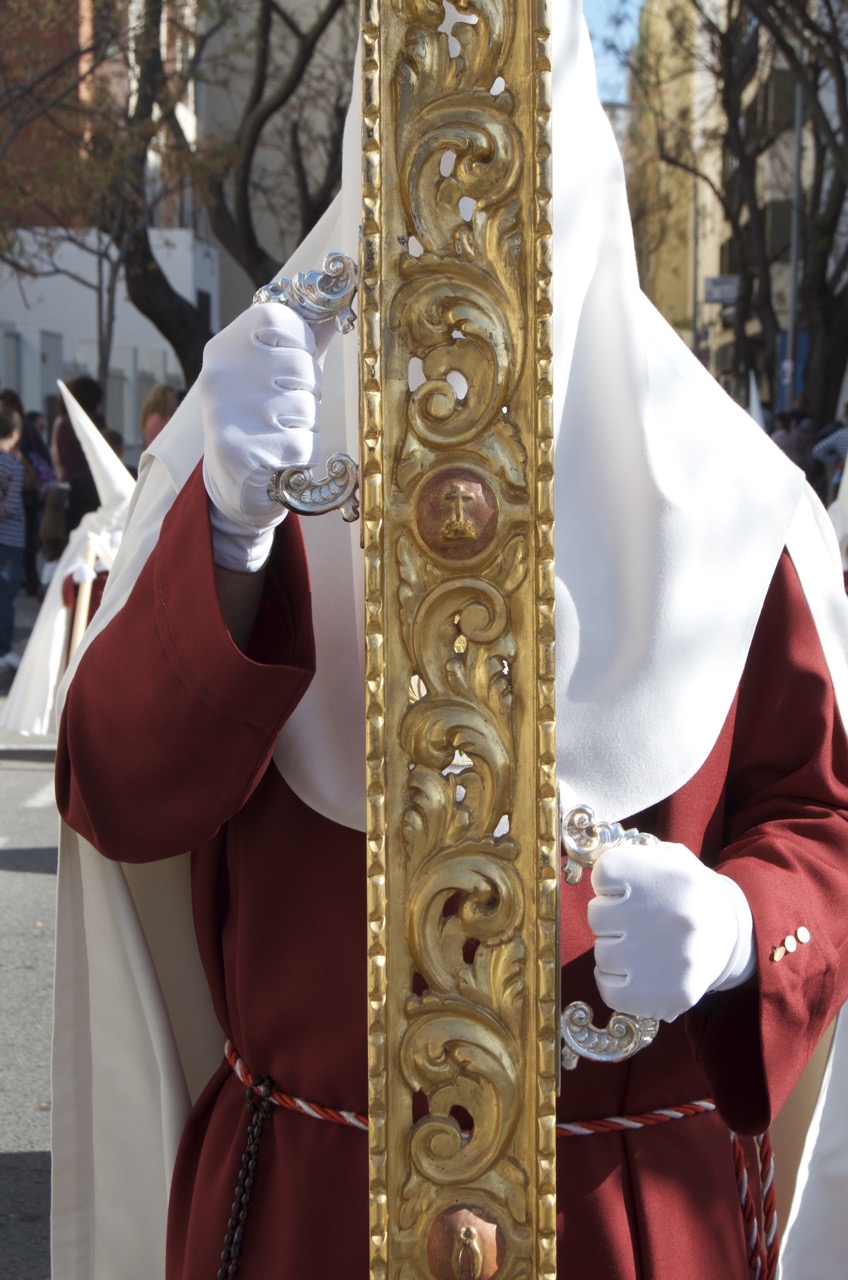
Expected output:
{"points": [[27, 904]]}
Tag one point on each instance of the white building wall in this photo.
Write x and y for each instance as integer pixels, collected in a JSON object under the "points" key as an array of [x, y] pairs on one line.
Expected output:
{"points": [[48, 328]]}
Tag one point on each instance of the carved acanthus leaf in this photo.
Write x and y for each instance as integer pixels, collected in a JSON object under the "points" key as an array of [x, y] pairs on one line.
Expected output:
{"points": [[441, 297], [460, 1057], [434, 729], [491, 910]]}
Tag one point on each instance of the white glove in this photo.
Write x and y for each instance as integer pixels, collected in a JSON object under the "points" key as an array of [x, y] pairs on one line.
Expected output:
{"points": [[260, 386], [668, 929]]}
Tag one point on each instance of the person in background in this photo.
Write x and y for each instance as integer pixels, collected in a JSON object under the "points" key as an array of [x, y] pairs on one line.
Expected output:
{"points": [[36, 419], [157, 409], [12, 532], [38, 477], [53, 533], [785, 436], [11, 402], [116, 441], [806, 436], [33, 436], [830, 450], [69, 461]]}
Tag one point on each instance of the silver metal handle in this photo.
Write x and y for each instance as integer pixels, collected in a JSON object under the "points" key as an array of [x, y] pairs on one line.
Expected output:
{"points": [[325, 294], [584, 840], [298, 489], [316, 296]]}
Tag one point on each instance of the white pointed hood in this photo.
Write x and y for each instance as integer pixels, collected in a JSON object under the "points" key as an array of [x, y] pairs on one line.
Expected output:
{"points": [[672, 507], [113, 480]]}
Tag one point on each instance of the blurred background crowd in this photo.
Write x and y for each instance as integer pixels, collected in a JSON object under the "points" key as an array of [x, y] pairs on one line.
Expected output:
{"points": [[160, 160]]}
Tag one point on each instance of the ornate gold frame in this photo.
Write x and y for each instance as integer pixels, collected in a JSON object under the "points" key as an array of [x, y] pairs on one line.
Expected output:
{"points": [[457, 508]]}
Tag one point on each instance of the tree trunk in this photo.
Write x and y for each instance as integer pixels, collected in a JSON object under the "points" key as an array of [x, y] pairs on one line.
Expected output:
{"points": [[828, 329], [177, 319]]}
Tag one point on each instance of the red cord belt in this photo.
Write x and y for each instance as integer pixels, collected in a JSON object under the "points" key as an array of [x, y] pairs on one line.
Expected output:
{"points": [[355, 1120], [762, 1242]]}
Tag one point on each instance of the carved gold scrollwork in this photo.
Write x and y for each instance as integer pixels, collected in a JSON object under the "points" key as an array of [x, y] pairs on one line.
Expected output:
{"points": [[458, 1055], [431, 314], [482, 41], [475, 156], [436, 730], [476, 611], [491, 913], [457, 520], [458, 299]]}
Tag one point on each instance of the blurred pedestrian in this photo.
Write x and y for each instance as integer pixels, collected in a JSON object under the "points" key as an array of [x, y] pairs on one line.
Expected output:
{"points": [[69, 460], [12, 531], [806, 436], [38, 422], [38, 477], [157, 410], [115, 440], [785, 436], [53, 533], [10, 402]]}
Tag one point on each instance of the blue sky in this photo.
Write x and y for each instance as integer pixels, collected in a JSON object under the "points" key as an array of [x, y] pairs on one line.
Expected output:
{"points": [[611, 81]]}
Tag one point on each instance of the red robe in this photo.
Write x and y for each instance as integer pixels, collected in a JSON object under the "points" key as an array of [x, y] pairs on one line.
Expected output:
{"points": [[164, 702]]}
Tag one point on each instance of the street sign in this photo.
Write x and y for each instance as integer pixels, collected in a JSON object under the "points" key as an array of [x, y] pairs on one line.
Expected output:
{"points": [[723, 289]]}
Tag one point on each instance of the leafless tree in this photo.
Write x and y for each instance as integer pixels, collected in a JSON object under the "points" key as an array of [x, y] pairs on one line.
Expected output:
{"points": [[743, 46], [812, 41], [120, 153]]}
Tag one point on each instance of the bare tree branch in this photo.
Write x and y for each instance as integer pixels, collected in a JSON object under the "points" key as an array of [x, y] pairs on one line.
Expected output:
{"points": [[107, 119]]}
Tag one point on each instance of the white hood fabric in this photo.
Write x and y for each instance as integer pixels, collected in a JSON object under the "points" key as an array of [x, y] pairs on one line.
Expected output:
{"points": [[114, 482], [672, 510]]}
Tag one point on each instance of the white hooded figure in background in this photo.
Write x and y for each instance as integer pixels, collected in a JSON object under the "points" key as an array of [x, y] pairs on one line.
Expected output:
{"points": [[664, 666], [92, 546]]}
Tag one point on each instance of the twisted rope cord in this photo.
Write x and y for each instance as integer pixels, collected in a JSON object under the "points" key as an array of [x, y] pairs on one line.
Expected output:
{"points": [[644, 1120], [763, 1242], [770, 1231], [762, 1257], [288, 1101], [356, 1120]]}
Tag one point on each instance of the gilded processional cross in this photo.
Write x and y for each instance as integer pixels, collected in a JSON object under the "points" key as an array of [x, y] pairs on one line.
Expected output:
{"points": [[457, 496]]}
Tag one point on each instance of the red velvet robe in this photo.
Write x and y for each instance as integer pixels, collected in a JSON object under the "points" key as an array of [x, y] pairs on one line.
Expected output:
{"points": [[166, 744]]}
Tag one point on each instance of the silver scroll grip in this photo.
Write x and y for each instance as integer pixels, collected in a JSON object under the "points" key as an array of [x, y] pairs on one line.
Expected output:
{"points": [[584, 840], [317, 296]]}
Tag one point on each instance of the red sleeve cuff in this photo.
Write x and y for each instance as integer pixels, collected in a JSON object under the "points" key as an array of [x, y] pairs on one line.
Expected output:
{"points": [[168, 726]]}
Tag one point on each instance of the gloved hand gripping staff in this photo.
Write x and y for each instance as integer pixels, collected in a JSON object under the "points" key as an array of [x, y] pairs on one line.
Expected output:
{"points": [[317, 297], [584, 840]]}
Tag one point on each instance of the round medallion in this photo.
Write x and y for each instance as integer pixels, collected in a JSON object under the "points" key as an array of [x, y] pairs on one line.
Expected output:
{"points": [[465, 1243], [457, 513]]}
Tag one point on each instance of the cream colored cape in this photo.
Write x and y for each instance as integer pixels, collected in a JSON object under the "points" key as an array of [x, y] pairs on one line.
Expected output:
{"points": [[672, 510]]}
